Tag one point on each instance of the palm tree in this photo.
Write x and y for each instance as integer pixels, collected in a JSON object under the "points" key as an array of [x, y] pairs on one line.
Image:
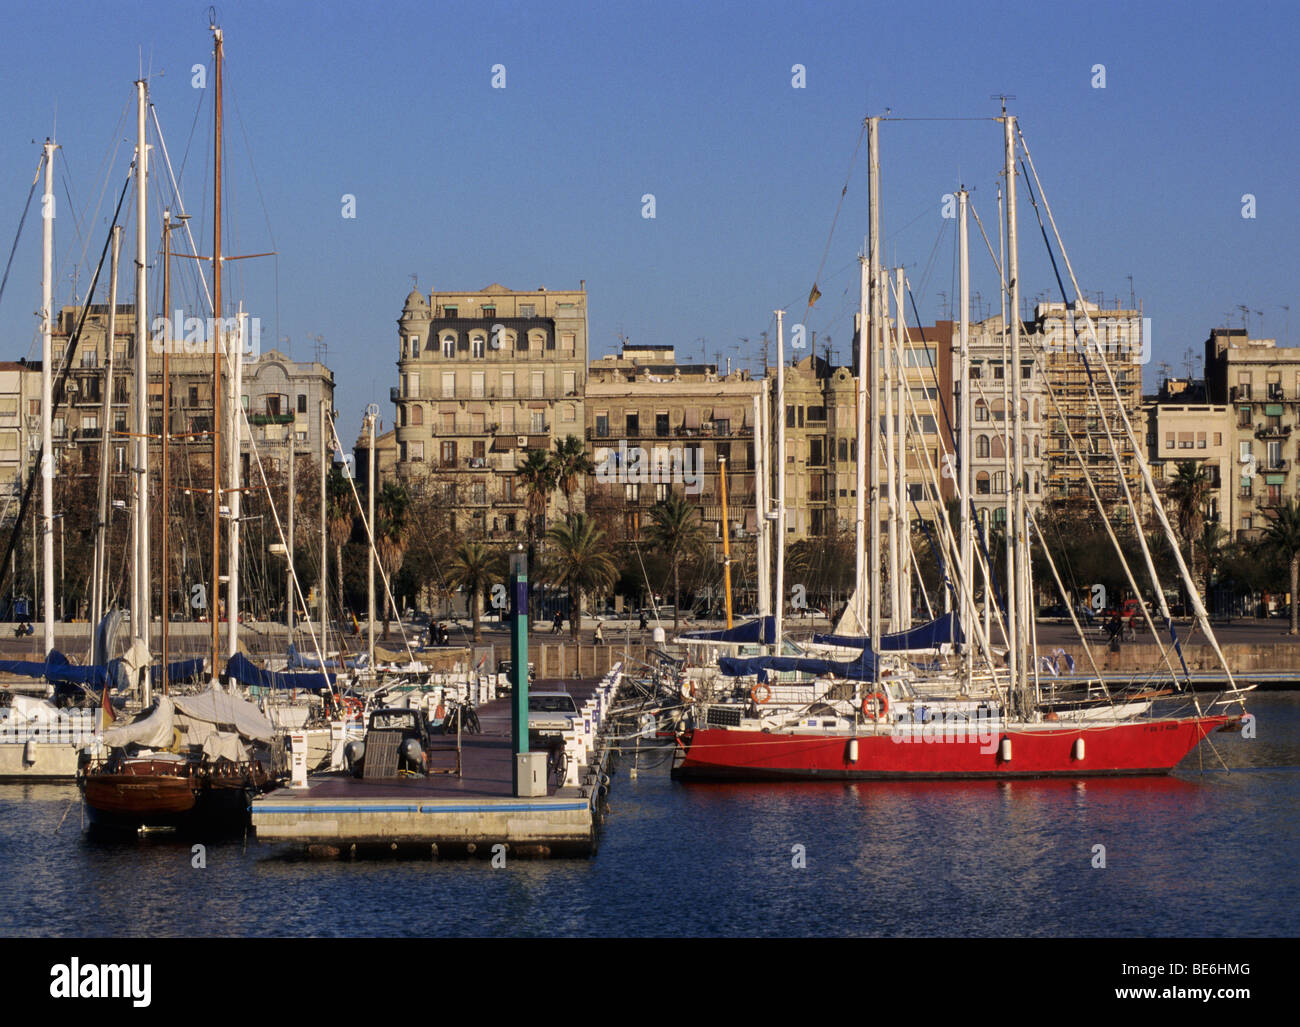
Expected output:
{"points": [[1283, 535], [571, 465], [1190, 491], [338, 523], [391, 505], [578, 559], [473, 565], [539, 478], [676, 529]]}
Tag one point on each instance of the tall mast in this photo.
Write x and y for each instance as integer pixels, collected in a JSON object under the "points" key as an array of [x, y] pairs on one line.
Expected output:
{"points": [[780, 475], [1018, 528], [141, 619], [963, 437], [101, 506], [372, 414], [859, 594], [873, 369], [215, 339], [165, 442], [235, 374], [47, 396], [290, 593], [903, 611], [891, 469], [761, 464]]}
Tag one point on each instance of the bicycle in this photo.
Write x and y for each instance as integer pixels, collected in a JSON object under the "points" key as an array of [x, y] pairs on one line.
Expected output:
{"points": [[557, 762], [461, 714]]}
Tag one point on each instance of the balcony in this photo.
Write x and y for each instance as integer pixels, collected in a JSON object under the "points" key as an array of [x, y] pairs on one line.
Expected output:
{"points": [[1275, 467], [266, 417], [1280, 431]]}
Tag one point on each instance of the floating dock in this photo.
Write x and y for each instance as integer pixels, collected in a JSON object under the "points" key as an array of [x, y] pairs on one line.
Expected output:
{"points": [[442, 815]]}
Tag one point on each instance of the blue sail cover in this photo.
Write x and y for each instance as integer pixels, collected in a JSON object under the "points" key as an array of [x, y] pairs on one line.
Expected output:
{"points": [[298, 660], [930, 635], [761, 630], [240, 668], [58, 670], [860, 669]]}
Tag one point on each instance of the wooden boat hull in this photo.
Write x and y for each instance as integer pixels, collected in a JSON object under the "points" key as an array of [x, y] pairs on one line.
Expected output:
{"points": [[1048, 750], [165, 796]]}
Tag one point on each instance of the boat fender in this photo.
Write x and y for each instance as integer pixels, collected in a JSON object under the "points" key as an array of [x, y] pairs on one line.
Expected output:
{"points": [[875, 706], [762, 690], [1078, 749]]}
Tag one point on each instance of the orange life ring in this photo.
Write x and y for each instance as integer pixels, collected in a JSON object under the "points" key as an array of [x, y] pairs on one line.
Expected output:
{"points": [[353, 707], [875, 706], [441, 712], [767, 693]]}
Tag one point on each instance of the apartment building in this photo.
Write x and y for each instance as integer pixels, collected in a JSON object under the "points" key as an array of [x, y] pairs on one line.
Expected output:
{"points": [[484, 378]]}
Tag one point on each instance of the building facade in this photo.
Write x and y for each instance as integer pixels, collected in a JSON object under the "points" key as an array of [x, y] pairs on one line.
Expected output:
{"points": [[484, 378]]}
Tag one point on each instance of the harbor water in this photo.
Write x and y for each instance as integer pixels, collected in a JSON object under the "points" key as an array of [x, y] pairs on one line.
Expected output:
{"points": [[1203, 852]]}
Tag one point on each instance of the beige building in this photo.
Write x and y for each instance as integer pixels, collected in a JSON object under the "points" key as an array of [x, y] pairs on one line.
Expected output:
{"points": [[656, 427], [485, 377], [990, 428], [1201, 433], [20, 430], [282, 398], [1059, 334], [1260, 383]]}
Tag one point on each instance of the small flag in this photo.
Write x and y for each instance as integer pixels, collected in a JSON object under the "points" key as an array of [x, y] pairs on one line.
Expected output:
{"points": [[814, 295]]}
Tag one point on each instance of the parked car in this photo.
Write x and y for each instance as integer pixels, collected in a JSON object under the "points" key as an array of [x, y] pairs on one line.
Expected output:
{"points": [[550, 714], [412, 749]]}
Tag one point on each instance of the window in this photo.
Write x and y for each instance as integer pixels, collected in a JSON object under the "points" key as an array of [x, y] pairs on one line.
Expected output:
{"points": [[477, 344], [413, 385], [448, 385], [1170, 440], [302, 403], [476, 386], [819, 413], [568, 342], [538, 421], [602, 425], [722, 425], [450, 312], [412, 346], [508, 490], [982, 483], [1218, 438], [8, 440], [633, 425], [661, 424], [1245, 522], [976, 372], [415, 450], [489, 310], [1243, 417], [982, 446], [417, 414], [632, 492], [981, 410], [527, 310], [539, 384], [568, 412], [449, 346], [998, 374], [662, 491], [507, 384], [478, 493], [570, 383], [1243, 451], [449, 454], [1275, 454]]}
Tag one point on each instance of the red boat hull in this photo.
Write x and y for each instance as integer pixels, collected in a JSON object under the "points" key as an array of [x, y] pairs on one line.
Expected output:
{"points": [[1140, 747]]}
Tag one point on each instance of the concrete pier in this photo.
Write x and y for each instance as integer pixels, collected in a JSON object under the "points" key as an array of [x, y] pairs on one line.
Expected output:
{"points": [[443, 815]]}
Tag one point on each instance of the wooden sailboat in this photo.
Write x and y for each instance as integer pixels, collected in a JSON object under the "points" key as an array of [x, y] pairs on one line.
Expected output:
{"points": [[179, 765]]}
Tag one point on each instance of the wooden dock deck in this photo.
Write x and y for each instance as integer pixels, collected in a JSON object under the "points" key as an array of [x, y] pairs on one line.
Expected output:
{"points": [[443, 815]]}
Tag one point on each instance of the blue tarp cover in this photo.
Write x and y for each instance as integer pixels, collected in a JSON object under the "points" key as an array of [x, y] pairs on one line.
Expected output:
{"points": [[243, 670], [760, 630], [860, 669], [924, 636]]}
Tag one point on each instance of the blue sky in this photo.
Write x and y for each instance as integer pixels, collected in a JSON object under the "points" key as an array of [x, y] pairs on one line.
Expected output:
{"points": [[540, 183]]}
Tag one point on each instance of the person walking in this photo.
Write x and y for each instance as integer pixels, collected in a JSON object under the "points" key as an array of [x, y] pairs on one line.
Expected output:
{"points": [[600, 634]]}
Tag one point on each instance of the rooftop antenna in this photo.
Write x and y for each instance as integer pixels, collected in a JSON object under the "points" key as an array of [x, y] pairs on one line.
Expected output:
{"points": [[1187, 361], [943, 305], [1132, 295], [1245, 317], [1287, 330], [1260, 314], [321, 349]]}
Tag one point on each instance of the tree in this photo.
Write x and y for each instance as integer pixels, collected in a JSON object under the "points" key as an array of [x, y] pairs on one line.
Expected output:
{"points": [[1282, 534], [338, 524], [571, 465], [676, 529], [539, 477], [578, 559], [391, 505], [1190, 491], [473, 565], [1213, 538]]}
